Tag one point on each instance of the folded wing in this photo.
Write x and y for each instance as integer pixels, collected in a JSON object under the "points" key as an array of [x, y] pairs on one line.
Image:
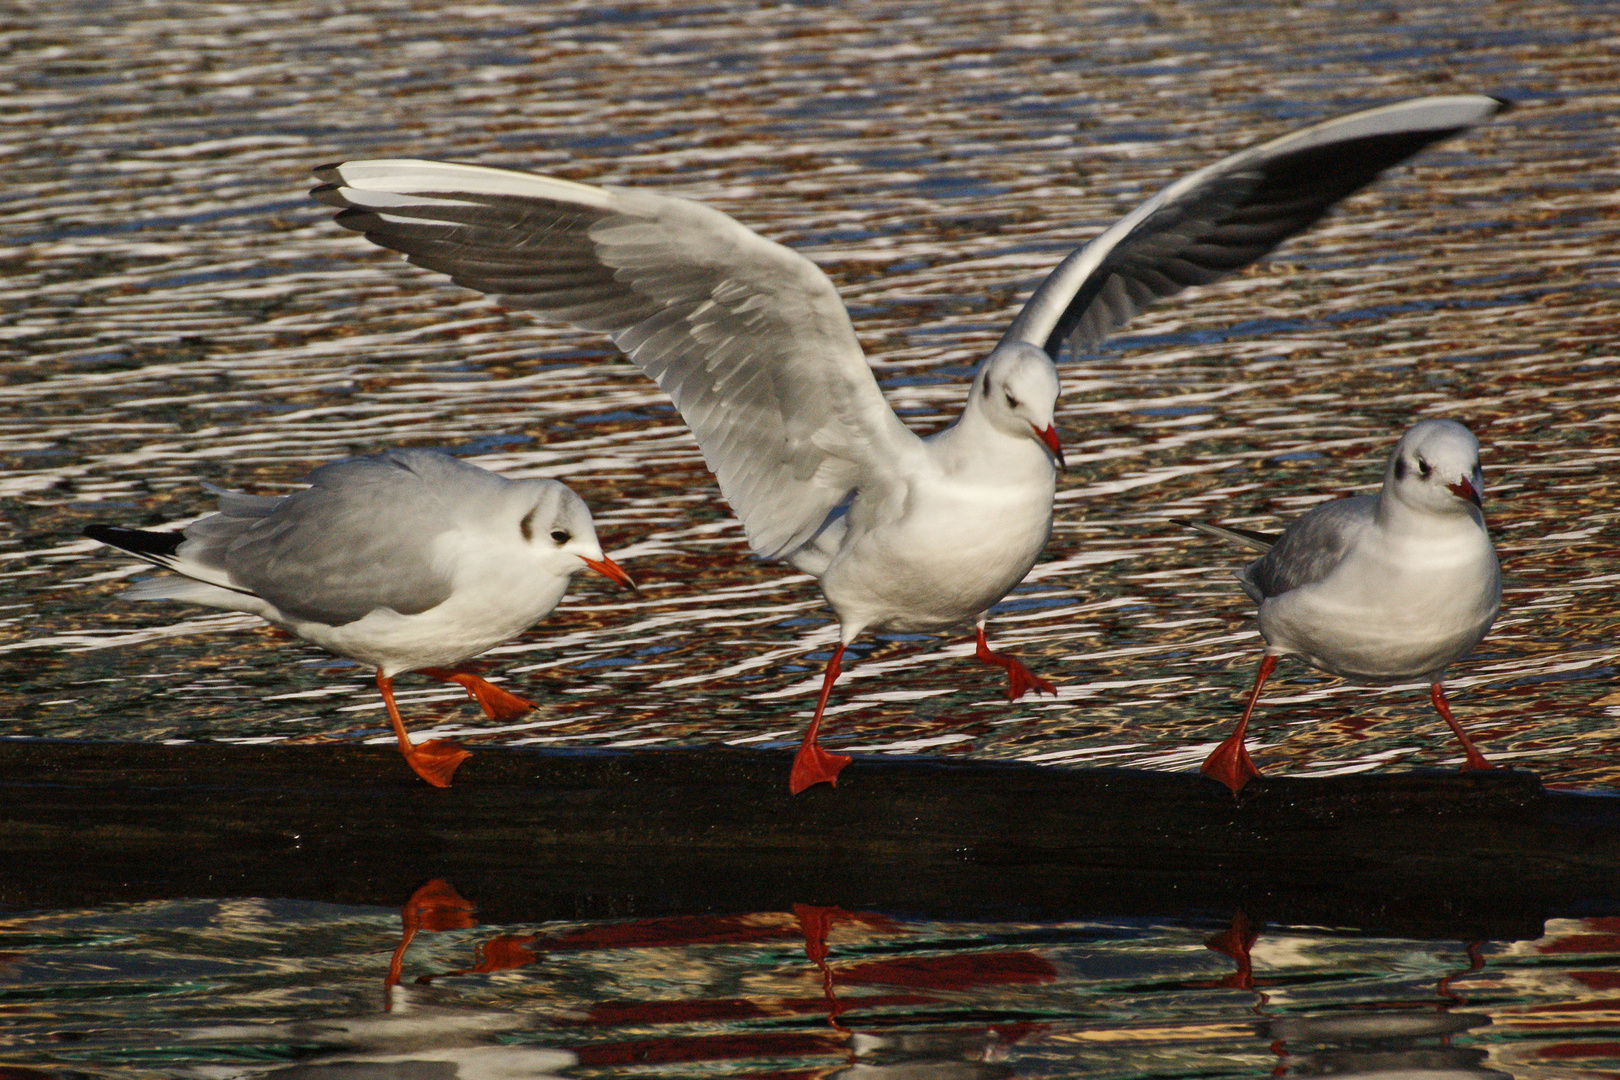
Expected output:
{"points": [[1310, 548]]}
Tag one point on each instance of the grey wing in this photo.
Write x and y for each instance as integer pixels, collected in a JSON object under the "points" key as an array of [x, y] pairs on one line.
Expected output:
{"points": [[748, 338], [360, 538], [1310, 548], [1230, 214]]}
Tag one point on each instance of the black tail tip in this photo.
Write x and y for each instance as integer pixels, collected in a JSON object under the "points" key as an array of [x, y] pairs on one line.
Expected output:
{"points": [[136, 541]]}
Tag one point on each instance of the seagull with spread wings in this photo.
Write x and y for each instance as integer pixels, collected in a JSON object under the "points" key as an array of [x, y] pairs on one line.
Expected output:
{"points": [[903, 532]]}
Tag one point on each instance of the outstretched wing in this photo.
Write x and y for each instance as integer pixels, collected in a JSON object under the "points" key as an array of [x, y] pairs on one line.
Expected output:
{"points": [[748, 338], [1230, 214]]}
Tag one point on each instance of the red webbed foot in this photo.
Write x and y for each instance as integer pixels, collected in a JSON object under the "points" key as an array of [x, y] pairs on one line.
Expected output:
{"points": [[1020, 680], [812, 765], [1230, 764]]}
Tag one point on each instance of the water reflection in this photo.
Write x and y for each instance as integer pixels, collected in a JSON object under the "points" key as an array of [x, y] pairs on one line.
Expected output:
{"points": [[410, 1041], [215, 988], [867, 994], [1370, 1037]]}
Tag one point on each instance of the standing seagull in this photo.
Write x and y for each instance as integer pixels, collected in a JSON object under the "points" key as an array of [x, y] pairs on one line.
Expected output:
{"points": [[754, 346], [1383, 588], [409, 560]]}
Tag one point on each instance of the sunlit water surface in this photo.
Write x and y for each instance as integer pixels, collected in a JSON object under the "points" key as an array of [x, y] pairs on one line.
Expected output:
{"points": [[174, 311], [177, 312]]}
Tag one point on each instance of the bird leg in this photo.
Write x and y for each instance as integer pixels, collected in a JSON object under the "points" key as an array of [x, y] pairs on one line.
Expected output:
{"points": [[1476, 760], [1229, 762], [812, 764], [1020, 680], [497, 704], [435, 760]]}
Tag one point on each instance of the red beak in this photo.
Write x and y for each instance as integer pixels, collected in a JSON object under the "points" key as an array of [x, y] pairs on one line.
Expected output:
{"points": [[1049, 437], [1465, 490], [610, 569]]}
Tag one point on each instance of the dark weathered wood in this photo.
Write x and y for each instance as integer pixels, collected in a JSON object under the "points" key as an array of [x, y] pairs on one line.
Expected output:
{"points": [[534, 835]]}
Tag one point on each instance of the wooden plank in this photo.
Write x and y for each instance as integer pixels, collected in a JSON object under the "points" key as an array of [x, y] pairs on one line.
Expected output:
{"points": [[544, 834]]}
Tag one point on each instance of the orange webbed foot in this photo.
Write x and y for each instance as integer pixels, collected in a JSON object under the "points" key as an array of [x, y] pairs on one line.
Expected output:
{"points": [[435, 760], [497, 704]]}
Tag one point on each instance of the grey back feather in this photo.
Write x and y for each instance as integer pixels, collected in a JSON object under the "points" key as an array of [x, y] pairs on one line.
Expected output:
{"points": [[359, 538], [1309, 549]]}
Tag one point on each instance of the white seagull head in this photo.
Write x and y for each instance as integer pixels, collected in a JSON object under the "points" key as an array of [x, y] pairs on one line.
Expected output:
{"points": [[1435, 468], [1016, 389], [556, 530]]}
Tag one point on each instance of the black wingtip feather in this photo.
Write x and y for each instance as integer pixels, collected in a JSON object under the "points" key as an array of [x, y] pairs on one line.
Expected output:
{"points": [[137, 541]]}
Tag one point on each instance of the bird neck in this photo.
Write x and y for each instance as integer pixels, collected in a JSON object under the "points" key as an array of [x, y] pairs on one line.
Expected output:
{"points": [[974, 447], [1396, 516]]}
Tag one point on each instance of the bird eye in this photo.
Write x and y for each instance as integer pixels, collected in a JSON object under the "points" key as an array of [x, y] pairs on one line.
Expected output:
{"points": [[1424, 469], [1012, 402], [561, 536]]}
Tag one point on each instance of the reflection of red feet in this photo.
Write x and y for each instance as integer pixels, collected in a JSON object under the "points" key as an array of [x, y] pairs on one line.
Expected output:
{"points": [[812, 765], [497, 704], [815, 921], [435, 906], [435, 760], [1020, 680], [1237, 941], [1230, 764]]}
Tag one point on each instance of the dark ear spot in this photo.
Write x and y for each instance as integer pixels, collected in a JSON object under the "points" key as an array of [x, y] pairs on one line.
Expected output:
{"points": [[1400, 468], [527, 524], [984, 384]]}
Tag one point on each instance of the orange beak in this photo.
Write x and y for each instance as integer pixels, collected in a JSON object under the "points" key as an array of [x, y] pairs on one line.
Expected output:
{"points": [[610, 569], [1049, 437]]}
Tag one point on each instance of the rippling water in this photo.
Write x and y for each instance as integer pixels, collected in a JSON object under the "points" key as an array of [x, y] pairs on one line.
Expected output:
{"points": [[175, 311], [179, 313], [249, 988]]}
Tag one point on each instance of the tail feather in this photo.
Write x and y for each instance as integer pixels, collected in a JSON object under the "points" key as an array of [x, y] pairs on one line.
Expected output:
{"points": [[163, 549], [154, 547], [1258, 540]]}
